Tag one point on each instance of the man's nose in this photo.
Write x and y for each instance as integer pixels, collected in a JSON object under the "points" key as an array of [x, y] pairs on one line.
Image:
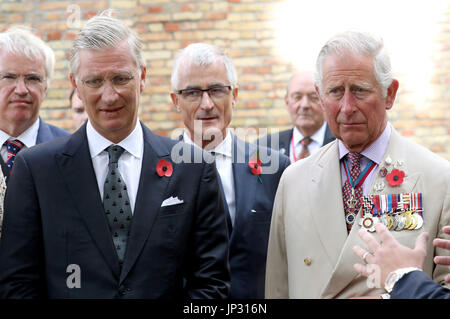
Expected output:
{"points": [[348, 103], [21, 87], [206, 102], [304, 102], [109, 93]]}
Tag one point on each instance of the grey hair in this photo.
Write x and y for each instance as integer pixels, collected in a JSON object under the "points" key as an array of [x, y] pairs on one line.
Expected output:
{"points": [[361, 43], [20, 40], [203, 54], [101, 32]]}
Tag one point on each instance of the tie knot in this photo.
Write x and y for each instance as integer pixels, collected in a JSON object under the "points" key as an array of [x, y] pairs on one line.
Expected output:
{"points": [[114, 152], [306, 141], [354, 158], [14, 146]]}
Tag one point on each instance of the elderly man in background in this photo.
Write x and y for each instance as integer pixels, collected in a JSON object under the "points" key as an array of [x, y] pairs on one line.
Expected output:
{"points": [[26, 69], [370, 174], [310, 131]]}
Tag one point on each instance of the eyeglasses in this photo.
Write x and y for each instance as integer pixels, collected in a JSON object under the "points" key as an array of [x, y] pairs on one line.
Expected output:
{"points": [[30, 80], [195, 95], [117, 81]]}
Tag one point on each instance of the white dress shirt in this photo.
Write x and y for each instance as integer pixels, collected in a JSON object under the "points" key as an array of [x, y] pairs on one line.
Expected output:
{"points": [[129, 164], [28, 138], [317, 141], [224, 168]]}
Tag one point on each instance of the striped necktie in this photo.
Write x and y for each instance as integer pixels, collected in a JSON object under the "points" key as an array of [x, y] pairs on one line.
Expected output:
{"points": [[305, 151], [13, 147]]}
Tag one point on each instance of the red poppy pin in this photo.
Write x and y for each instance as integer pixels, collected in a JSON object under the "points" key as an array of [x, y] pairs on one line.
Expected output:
{"points": [[164, 168], [255, 166], [395, 178]]}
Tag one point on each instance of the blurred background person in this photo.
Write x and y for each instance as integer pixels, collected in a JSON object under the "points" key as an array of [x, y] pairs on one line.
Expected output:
{"points": [[79, 114], [310, 131]]}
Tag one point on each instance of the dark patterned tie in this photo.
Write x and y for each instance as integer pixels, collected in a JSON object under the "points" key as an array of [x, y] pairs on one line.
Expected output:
{"points": [[13, 147], [116, 202], [305, 151], [355, 171]]}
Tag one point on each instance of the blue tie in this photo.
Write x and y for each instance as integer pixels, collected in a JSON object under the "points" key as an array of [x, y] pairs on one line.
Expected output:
{"points": [[13, 147]]}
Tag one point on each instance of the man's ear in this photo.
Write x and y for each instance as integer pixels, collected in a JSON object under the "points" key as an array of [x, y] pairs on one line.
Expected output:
{"points": [[391, 94], [174, 98], [142, 79], [320, 97], [235, 96]]}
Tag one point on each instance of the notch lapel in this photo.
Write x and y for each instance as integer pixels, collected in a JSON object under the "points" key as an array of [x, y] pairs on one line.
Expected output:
{"points": [[325, 193], [151, 191], [75, 164], [244, 180], [344, 273]]}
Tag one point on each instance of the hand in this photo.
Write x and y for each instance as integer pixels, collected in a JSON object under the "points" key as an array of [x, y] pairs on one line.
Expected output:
{"points": [[389, 255], [445, 244]]}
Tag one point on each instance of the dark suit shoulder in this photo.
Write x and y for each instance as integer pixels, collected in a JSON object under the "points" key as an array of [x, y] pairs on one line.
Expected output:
{"points": [[58, 132], [267, 139]]}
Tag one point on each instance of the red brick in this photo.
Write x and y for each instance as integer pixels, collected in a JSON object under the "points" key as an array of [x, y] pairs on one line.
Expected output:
{"points": [[216, 16], [171, 27], [54, 36], [157, 9], [187, 7]]}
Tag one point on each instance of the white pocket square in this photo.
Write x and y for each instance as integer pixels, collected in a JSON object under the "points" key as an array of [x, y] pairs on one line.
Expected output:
{"points": [[172, 201]]}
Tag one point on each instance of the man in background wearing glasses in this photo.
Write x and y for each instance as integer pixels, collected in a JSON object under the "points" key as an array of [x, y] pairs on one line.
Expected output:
{"points": [[26, 68], [104, 213], [205, 91]]}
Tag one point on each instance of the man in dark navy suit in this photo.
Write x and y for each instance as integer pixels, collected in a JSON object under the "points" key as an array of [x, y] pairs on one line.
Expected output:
{"points": [[26, 69], [105, 212], [204, 83], [310, 131], [400, 268]]}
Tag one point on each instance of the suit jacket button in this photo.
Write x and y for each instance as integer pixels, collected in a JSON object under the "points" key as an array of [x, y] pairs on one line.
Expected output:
{"points": [[307, 261], [122, 290]]}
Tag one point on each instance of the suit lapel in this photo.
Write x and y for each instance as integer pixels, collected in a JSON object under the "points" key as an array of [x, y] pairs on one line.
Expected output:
{"points": [[285, 141], [395, 151], [76, 167], [325, 192], [151, 191], [344, 273], [244, 191], [44, 133]]}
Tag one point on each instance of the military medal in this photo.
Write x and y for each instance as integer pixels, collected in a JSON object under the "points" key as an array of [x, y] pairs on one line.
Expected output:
{"points": [[350, 213], [368, 220]]}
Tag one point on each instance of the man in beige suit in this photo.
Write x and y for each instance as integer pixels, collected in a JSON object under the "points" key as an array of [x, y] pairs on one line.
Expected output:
{"points": [[315, 222]]}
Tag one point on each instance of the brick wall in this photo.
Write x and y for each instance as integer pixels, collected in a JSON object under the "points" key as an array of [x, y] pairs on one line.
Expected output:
{"points": [[245, 29]]}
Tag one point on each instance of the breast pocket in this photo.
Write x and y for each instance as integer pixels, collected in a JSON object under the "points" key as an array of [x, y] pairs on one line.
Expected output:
{"points": [[260, 216], [172, 210]]}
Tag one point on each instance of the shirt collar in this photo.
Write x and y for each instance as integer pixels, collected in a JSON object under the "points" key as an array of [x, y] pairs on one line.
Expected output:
{"points": [[133, 143], [223, 148], [376, 150], [28, 137], [318, 136]]}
